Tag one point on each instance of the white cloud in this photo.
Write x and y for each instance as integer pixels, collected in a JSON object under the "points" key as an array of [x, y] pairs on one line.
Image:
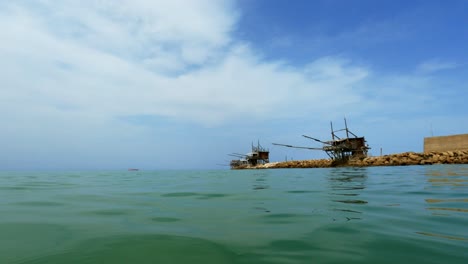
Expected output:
{"points": [[436, 65], [70, 71], [91, 72]]}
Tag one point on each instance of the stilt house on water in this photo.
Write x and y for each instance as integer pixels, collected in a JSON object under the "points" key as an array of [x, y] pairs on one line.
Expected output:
{"points": [[339, 149], [259, 155]]}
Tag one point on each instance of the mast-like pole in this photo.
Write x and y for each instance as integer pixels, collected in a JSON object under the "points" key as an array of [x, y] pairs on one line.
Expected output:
{"points": [[346, 127], [333, 134]]}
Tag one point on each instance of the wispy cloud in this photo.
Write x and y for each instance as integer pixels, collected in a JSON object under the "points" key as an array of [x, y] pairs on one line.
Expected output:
{"points": [[72, 74], [435, 65], [113, 68]]}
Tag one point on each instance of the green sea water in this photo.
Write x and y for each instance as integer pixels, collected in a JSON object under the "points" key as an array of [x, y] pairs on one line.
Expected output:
{"points": [[414, 214]]}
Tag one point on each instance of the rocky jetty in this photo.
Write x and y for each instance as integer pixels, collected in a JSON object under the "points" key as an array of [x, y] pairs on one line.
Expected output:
{"points": [[401, 159], [412, 158]]}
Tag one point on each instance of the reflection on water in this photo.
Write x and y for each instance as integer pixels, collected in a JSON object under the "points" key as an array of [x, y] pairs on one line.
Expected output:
{"points": [[351, 201], [454, 177], [443, 183], [446, 200], [260, 184], [346, 186], [448, 209], [442, 236], [260, 180]]}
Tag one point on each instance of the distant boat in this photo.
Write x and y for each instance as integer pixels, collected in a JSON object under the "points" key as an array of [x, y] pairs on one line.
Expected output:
{"points": [[133, 169]]}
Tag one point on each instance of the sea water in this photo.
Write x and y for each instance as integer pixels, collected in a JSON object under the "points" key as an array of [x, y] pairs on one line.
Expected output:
{"points": [[414, 214]]}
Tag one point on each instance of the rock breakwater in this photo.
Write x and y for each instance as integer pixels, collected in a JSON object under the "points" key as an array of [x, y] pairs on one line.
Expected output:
{"points": [[412, 158], [400, 159]]}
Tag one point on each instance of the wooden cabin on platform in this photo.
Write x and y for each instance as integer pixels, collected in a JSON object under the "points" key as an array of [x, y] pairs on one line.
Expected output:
{"points": [[339, 148], [258, 155]]}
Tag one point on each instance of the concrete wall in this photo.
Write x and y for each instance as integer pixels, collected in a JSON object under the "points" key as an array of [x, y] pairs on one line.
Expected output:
{"points": [[446, 143]]}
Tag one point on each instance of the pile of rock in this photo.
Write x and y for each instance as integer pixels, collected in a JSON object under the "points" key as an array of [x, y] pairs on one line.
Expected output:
{"points": [[401, 159], [412, 158], [321, 163]]}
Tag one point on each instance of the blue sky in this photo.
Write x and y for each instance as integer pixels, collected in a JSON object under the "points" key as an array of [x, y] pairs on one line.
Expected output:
{"points": [[181, 84]]}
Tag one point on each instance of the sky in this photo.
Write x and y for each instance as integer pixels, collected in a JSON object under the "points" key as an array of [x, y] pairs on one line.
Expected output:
{"points": [[158, 84]]}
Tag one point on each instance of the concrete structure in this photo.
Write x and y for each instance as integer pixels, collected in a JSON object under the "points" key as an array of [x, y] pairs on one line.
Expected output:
{"points": [[446, 143]]}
